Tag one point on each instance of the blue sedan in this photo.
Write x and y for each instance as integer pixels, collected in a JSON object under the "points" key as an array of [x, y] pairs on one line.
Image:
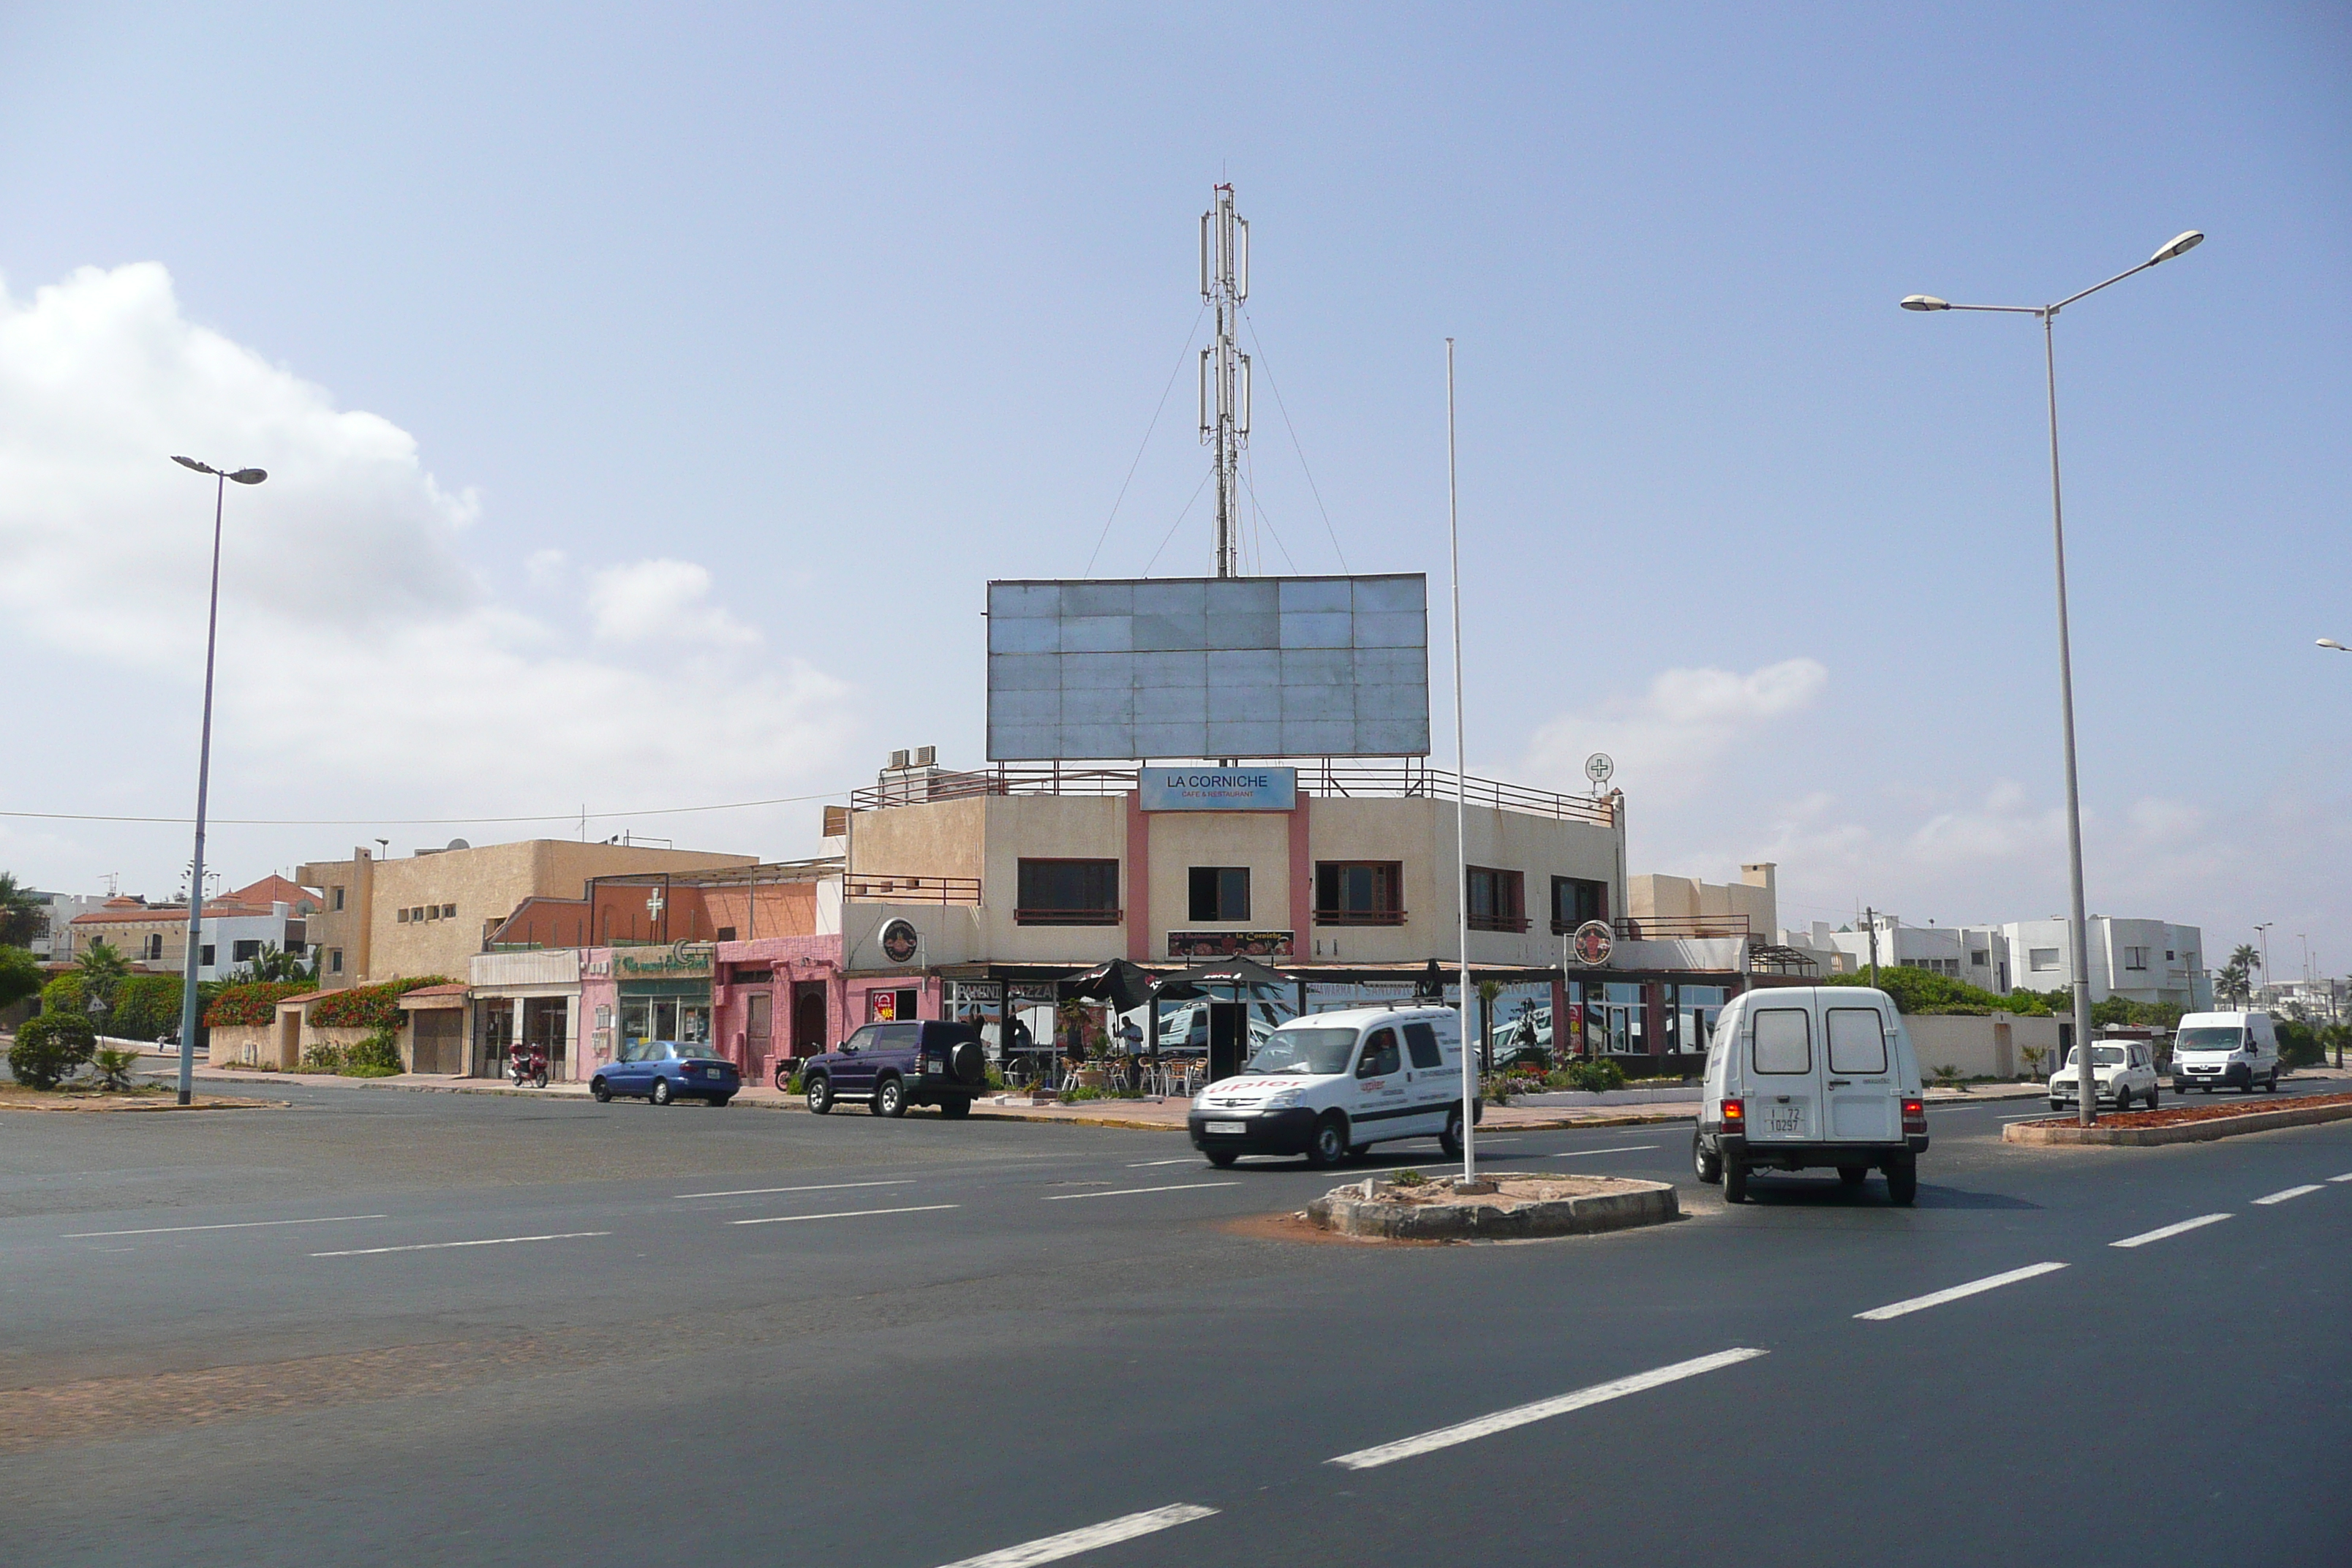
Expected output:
{"points": [[664, 1070]]}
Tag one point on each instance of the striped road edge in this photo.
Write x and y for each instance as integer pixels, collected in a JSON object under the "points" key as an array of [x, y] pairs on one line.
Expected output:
{"points": [[1070, 1542], [1542, 1410]]}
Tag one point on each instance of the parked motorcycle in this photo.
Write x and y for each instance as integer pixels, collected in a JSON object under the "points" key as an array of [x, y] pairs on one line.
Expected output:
{"points": [[528, 1062]]}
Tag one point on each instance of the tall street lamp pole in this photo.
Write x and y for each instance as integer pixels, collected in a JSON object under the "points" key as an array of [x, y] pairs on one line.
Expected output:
{"points": [[2086, 1080], [203, 778], [2263, 935]]}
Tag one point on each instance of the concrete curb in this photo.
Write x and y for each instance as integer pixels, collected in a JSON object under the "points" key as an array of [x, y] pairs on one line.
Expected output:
{"points": [[2180, 1133], [1353, 1210]]}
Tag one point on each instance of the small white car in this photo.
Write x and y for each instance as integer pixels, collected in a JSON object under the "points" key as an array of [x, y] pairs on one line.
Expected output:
{"points": [[2225, 1050], [1333, 1084], [2122, 1069]]}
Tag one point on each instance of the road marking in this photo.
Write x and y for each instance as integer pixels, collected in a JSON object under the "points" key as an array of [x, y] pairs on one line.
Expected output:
{"points": [[2347, 1176], [1131, 1191], [2034, 1116], [2170, 1230], [438, 1246], [819, 1187], [2281, 1197], [1187, 1159], [240, 1224], [1621, 1149], [1070, 1542], [845, 1214], [1937, 1298], [1542, 1410]]}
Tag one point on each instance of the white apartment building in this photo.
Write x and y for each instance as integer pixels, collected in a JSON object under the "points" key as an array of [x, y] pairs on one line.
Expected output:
{"points": [[1976, 954], [2141, 961]]}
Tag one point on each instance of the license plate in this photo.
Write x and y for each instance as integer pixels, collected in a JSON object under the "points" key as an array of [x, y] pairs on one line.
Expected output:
{"points": [[1227, 1128], [1784, 1122]]}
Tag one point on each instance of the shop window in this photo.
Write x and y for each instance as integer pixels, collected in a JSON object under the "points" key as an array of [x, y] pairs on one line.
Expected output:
{"points": [[1359, 893], [1220, 894], [898, 1005], [1575, 901], [1066, 894], [1497, 900]]}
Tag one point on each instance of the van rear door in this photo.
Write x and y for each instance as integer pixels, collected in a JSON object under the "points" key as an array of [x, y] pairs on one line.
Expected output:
{"points": [[1783, 1075], [1433, 1089], [1865, 1102]]}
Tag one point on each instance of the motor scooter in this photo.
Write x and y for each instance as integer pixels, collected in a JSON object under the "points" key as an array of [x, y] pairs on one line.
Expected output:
{"points": [[528, 1062]]}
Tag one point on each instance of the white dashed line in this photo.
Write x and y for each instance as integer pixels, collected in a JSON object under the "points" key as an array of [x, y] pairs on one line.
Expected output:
{"points": [[845, 1214], [1542, 1410], [1131, 1191], [1937, 1298], [439, 1246], [1187, 1159], [2170, 1230], [241, 1224], [819, 1187], [2347, 1176], [1070, 1542], [1587, 1154], [2281, 1197]]}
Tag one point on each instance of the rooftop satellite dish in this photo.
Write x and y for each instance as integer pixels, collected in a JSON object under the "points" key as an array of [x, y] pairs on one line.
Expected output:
{"points": [[459, 844]]}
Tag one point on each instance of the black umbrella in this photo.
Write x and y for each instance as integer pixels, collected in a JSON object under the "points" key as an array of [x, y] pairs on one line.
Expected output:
{"points": [[1223, 972], [1119, 982]]}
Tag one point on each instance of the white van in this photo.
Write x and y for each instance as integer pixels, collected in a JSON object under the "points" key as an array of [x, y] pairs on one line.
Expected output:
{"points": [[1810, 1077], [2225, 1050], [1332, 1084]]}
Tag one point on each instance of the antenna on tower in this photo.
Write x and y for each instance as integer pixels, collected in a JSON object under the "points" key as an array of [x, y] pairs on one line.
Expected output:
{"points": [[1224, 369]]}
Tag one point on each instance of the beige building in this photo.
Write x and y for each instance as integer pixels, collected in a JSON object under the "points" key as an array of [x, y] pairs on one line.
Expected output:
{"points": [[430, 913], [237, 927], [1666, 907]]}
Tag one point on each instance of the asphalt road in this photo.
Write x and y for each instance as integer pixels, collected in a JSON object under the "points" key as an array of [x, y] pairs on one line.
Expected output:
{"points": [[381, 1326]]}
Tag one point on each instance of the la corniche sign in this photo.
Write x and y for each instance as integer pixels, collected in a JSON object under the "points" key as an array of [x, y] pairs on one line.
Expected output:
{"points": [[1218, 789]]}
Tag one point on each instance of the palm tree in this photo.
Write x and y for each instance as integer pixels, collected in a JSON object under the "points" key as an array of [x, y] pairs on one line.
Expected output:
{"points": [[102, 968], [2246, 961], [20, 912]]}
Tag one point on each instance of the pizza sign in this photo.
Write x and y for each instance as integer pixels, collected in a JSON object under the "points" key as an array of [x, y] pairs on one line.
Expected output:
{"points": [[899, 942], [1592, 944]]}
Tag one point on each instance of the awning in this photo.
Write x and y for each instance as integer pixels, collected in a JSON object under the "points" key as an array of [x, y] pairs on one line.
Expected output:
{"points": [[1233, 972]]}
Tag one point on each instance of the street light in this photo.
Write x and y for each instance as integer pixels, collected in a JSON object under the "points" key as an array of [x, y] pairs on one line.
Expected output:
{"points": [[2331, 642], [2087, 1081], [221, 478]]}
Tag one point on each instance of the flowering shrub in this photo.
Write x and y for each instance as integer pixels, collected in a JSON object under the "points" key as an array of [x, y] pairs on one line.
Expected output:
{"points": [[368, 1006], [252, 1004]]}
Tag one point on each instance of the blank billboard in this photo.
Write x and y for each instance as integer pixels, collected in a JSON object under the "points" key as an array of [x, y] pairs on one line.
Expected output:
{"points": [[1209, 667]]}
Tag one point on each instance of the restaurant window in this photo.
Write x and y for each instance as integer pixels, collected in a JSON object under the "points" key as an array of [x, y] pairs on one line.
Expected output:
{"points": [[1497, 900], [1575, 901], [1066, 894], [1359, 893], [1691, 1012], [1220, 894]]}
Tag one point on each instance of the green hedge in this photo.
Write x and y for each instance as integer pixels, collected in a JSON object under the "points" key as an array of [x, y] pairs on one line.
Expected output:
{"points": [[251, 1003], [64, 996], [368, 1006], [146, 1007]]}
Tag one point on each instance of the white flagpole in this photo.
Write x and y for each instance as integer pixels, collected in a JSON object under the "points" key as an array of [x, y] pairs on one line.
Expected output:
{"points": [[1461, 793]]}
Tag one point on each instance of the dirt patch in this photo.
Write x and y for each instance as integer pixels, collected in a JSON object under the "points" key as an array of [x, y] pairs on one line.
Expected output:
{"points": [[147, 1097], [1297, 1226], [2182, 1115], [1520, 1205]]}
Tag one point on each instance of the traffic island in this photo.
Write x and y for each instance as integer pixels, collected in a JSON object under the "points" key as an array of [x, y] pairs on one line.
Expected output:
{"points": [[1513, 1207], [2181, 1124]]}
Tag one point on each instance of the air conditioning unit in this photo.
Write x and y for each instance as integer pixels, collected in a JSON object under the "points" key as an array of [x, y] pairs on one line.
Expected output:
{"points": [[898, 758], [927, 756]]}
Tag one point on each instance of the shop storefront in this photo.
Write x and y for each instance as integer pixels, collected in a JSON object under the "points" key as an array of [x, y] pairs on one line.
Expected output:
{"points": [[778, 998], [529, 997], [652, 993]]}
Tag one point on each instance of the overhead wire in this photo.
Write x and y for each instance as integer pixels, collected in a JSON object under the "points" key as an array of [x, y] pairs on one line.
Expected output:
{"points": [[422, 821], [1259, 343], [1183, 355], [1178, 523]]}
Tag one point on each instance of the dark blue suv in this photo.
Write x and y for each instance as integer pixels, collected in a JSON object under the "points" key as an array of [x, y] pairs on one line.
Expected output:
{"points": [[893, 1066]]}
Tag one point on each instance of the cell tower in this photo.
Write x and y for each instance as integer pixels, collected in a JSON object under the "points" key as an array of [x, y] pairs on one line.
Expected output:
{"points": [[1224, 369]]}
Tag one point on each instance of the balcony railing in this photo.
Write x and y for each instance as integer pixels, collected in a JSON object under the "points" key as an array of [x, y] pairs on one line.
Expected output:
{"points": [[876, 888], [1406, 779], [1498, 922], [1665, 928], [1360, 917], [1068, 916]]}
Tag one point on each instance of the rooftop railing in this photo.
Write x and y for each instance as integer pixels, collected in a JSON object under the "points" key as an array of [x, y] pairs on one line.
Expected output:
{"points": [[1405, 778], [877, 889]]}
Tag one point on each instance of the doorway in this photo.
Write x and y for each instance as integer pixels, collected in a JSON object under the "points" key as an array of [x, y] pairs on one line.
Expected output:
{"points": [[808, 1019], [758, 1034]]}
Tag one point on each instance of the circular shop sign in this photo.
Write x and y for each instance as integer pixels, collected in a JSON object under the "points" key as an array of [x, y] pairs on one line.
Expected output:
{"points": [[899, 942], [1598, 767], [1592, 944]]}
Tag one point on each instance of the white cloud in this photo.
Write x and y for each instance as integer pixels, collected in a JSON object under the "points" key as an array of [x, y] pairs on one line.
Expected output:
{"points": [[365, 665], [651, 600], [1668, 742]]}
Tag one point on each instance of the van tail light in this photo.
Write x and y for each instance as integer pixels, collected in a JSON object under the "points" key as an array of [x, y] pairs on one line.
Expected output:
{"points": [[1735, 1114], [1915, 1116]]}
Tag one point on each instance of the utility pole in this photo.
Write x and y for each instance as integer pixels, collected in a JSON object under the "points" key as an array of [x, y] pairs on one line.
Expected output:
{"points": [[1224, 369], [1869, 919]]}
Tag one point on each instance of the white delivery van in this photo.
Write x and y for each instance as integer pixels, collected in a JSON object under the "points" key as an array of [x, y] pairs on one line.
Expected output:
{"points": [[1331, 1084], [2225, 1050], [1810, 1077]]}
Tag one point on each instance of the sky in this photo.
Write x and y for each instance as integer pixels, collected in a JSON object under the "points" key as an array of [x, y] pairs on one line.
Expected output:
{"points": [[648, 396]]}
